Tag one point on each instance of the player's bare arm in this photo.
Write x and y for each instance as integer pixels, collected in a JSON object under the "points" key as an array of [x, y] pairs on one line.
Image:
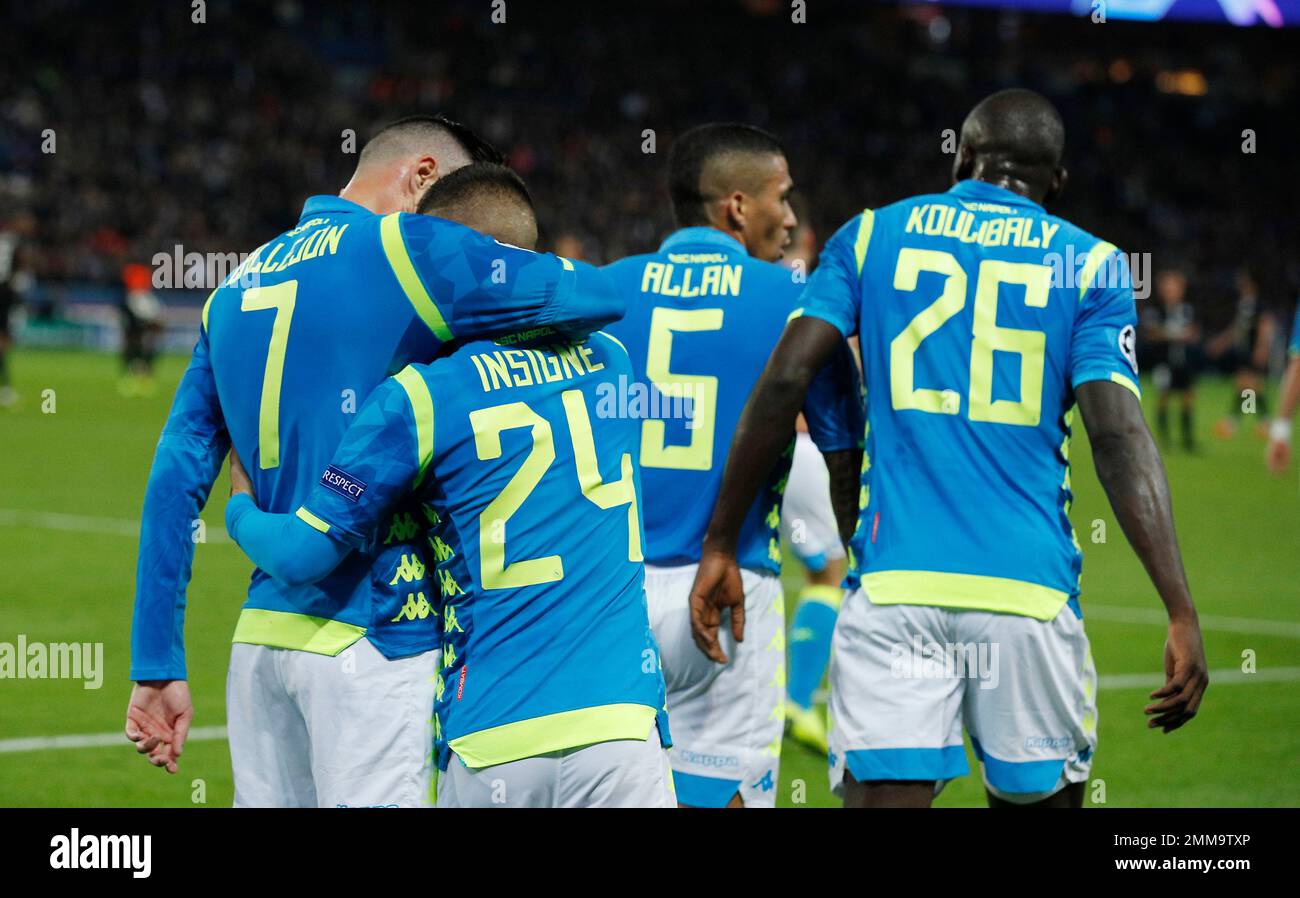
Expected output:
{"points": [[764, 431], [845, 467], [1133, 476], [1279, 434], [240, 482]]}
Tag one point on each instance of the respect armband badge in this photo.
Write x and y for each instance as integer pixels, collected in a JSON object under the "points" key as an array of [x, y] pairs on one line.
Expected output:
{"points": [[343, 483]]}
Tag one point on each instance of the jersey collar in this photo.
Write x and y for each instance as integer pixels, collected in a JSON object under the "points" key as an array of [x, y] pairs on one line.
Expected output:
{"points": [[698, 236], [985, 192], [325, 204]]}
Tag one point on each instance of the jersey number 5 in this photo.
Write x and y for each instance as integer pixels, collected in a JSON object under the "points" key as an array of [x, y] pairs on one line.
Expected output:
{"points": [[488, 424], [987, 337], [697, 455], [281, 298]]}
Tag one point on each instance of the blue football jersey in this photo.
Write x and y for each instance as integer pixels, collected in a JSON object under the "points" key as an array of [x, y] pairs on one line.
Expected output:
{"points": [[530, 502], [703, 317], [978, 315], [1293, 349], [292, 342]]}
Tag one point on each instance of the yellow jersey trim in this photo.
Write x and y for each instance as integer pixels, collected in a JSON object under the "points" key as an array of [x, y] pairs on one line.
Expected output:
{"points": [[614, 338], [207, 306], [1126, 383], [553, 732], [1096, 256], [287, 630], [390, 234], [971, 591], [316, 523], [417, 391], [865, 226]]}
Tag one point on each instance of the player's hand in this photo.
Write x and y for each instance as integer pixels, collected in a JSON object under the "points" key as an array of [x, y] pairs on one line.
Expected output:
{"points": [[239, 479], [1278, 456], [717, 586], [1186, 677], [158, 720]]}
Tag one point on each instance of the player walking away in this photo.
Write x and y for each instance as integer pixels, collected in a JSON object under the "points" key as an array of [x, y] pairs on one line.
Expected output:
{"points": [[1242, 352], [977, 342], [808, 526], [1170, 333], [142, 324], [703, 315], [1279, 433], [15, 280], [550, 692], [330, 683]]}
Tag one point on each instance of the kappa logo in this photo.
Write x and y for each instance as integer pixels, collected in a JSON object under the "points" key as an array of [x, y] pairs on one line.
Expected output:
{"points": [[343, 483]]}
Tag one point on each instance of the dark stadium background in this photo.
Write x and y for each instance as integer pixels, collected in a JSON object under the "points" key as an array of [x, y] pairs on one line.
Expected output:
{"points": [[210, 136]]}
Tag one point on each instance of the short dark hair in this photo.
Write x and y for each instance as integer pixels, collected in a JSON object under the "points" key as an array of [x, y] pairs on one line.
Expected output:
{"points": [[693, 151], [477, 147], [471, 183]]}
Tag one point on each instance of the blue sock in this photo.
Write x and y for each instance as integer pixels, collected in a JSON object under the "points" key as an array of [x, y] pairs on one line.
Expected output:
{"points": [[810, 641]]}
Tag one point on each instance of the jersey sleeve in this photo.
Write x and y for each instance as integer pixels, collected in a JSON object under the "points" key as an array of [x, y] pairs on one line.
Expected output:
{"points": [[190, 452], [1104, 342], [465, 285], [381, 458], [283, 545], [834, 291], [833, 406], [1293, 348]]}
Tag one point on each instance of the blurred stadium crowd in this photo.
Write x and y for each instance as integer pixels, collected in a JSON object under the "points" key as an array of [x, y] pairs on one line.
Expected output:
{"points": [[149, 154]]}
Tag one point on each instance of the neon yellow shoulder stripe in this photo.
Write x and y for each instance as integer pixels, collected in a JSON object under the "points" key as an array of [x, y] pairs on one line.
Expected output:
{"points": [[417, 391], [1096, 256], [390, 233], [207, 304], [865, 225], [286, 630], [553, 732], [971, 591]]}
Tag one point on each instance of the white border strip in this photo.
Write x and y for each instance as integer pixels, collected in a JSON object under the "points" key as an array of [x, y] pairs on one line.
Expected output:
{"points": [[1223, 677], [75, 523]]}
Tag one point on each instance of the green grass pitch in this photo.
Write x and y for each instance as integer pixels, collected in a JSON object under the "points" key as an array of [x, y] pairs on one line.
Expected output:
{"points": [[74, 480]]}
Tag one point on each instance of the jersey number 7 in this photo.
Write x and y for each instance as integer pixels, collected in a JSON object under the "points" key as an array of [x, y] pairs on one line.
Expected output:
{"points": [[280, 297]]}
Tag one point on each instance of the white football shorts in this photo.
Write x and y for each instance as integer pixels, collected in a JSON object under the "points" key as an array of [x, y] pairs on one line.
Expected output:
{"points": [[726, 720], [905, 678], [349, 730], [623, 773], [807, 517]]}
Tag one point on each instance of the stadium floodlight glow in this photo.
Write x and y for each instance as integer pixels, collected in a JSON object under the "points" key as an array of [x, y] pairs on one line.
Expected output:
{"points": [[1271, 13]]}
